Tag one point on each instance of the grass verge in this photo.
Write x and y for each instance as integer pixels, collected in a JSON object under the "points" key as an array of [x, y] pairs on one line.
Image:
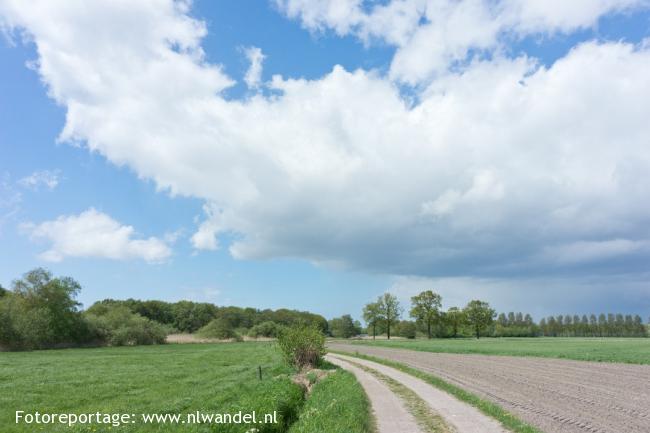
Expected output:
{"points": [[493, 410], [337, 404], [421, 411]]}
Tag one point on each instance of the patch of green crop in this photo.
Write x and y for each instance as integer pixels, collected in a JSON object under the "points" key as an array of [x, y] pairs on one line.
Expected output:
{"points": [[627, 350]]}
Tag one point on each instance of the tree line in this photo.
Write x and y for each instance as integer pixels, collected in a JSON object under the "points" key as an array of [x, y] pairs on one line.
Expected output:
{"points": [[383, 316], [189, 316], [478, 319], [603, 325], [41, 311]]}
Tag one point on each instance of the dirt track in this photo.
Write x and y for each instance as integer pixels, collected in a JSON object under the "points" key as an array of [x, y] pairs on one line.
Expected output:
{"points": [[458, 416], [554, 395], [389, 411]]}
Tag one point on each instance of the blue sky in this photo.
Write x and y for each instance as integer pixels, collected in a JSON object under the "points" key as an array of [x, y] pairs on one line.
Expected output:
{"points": [[469, 149]]}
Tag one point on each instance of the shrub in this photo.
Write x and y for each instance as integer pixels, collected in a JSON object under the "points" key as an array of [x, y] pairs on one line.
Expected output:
{"points": [[265, 329], [139, 331], [302, 346], [406, 329], [218, 328], [118, 326]]}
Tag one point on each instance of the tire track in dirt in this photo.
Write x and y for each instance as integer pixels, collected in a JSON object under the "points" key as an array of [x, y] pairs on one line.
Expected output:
{"points": [[389, 411], [458, 415], [557, 396]]}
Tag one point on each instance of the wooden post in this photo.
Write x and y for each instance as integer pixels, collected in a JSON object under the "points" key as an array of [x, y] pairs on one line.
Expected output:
{"points": [[259, 371]]}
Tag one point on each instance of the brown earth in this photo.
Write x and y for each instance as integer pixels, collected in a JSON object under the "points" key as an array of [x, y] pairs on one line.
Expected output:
{"points": [[556, 396], [458, 416]]}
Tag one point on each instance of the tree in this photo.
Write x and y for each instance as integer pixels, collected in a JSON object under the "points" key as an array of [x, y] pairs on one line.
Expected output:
{"points": [[456, 318], [3, 291], [602, 325], [543, 328], [479, 316], [426, 308], [552, 327], [372, 316], [519, 319], [191, 316], [406, 329], [639, 328], [51, 301], [389, 310], [344, 327]]}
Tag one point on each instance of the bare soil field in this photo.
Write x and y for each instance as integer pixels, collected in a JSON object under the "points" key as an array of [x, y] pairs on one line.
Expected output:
{"points": [[557, 396]]}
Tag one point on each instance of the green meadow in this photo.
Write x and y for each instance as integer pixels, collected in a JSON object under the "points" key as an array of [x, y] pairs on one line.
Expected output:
{"points": [[165, 379], [628, 350]]}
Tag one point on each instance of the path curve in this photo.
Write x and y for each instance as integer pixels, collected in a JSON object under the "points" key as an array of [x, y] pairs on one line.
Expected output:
{"points": [[461, 416], [390, 413]]}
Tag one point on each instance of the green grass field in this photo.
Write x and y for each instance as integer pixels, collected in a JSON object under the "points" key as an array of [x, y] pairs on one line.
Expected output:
{"points": [[147, 379], [628, 350]]}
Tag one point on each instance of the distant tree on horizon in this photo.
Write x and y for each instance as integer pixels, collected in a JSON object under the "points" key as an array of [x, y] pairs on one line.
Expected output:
{"points": [[426, 308], [344, 327], [479, 315], [389, 310], [456, 318], [372, 316]]}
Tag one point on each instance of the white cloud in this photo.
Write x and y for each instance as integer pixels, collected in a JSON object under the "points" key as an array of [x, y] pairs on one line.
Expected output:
{"points": [[253, 75], [95, 234], [485, 187], [46, 178], [340, 15], [431, 35], [495, 164], [205, 238]]}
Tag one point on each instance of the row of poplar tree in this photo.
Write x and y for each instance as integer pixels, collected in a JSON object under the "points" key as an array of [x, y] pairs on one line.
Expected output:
{"points": [[478, 319], [603, 325]]}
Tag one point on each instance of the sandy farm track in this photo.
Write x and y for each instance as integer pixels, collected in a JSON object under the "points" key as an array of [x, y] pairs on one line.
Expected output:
{"points": [[556, 396]]}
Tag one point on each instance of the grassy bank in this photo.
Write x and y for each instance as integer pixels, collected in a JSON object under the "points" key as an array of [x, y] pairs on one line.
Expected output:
{"points": [[493, 410], [338, 404], [628, 350], [147, 379]]}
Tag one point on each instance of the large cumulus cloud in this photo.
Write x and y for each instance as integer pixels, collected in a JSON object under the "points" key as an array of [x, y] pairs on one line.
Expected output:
{"points": [[502, 167]]}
